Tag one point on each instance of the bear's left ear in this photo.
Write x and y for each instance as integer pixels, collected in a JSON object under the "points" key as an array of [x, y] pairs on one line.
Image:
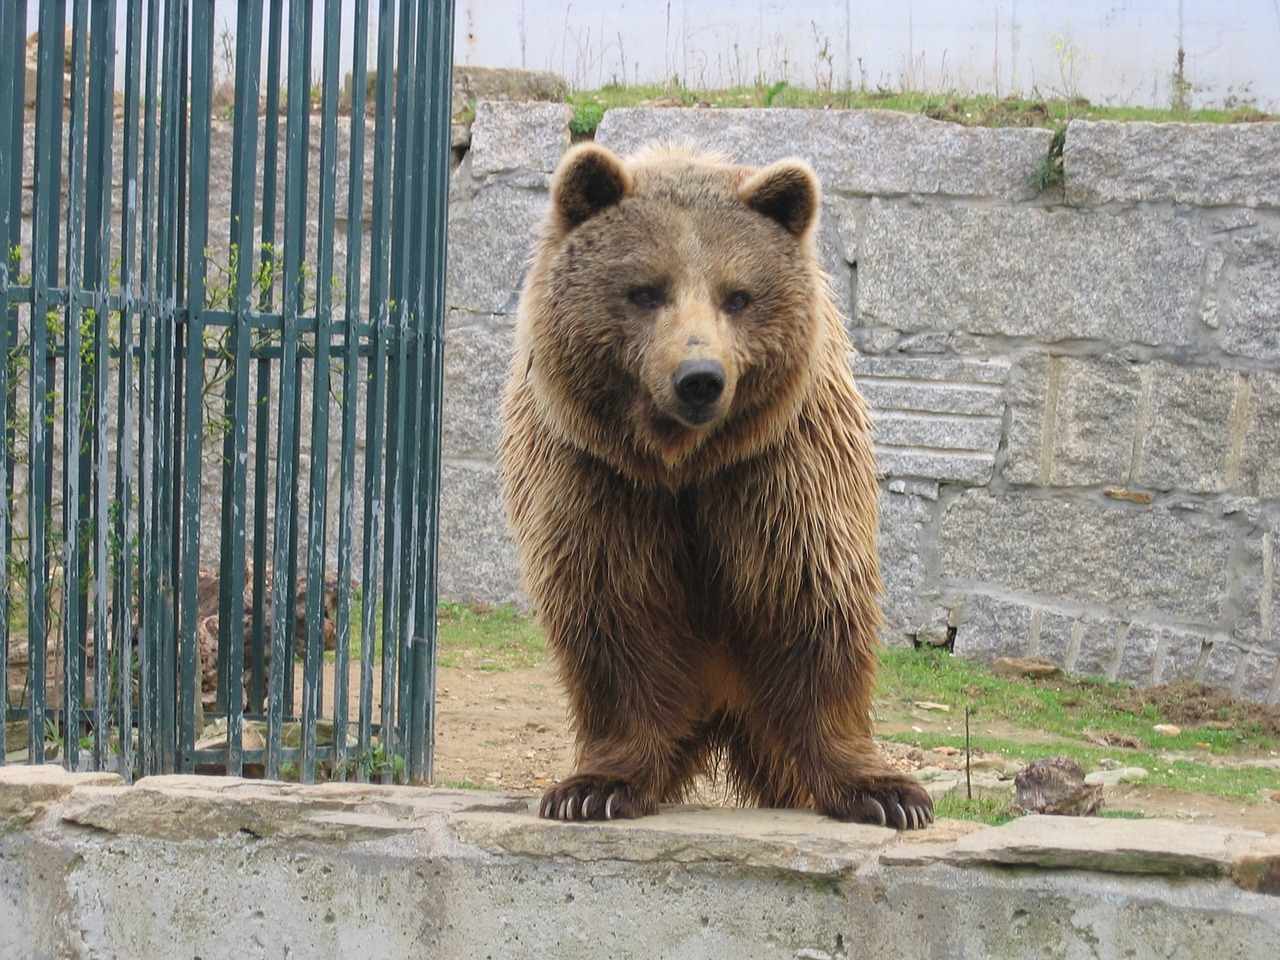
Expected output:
{"points": [[588, 180], [786, 192]]}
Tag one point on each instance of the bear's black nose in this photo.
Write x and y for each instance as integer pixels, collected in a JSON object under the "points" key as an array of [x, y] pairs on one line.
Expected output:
{"points": [[699, 383]]}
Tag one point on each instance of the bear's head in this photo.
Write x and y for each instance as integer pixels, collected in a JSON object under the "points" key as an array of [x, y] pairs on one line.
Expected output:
{"points": [[673, 307]]}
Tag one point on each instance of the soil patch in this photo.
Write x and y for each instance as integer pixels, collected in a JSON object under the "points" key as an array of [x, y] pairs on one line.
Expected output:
{"points": [[509, 731]]}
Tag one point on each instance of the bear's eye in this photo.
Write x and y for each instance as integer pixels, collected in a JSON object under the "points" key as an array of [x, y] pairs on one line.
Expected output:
{"points": [[646, 298], [736, 302]]}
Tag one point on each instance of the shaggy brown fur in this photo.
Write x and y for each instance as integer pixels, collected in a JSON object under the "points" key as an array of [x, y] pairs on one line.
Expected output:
{"points": [[692, 488]]}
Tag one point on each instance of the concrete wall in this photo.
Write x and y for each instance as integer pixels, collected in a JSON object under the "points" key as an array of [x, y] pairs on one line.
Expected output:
{"points": [[1077, 391], [181, 867]]}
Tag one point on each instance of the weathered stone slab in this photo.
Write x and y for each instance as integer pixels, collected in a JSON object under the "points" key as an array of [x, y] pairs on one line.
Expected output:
{"points": [[1188, 437], [852, 151], [1206, 164], [208, 808], [1138, 559], [518, 136], [1112, 846], [791, 840], [1075, 275], [26, 791]]}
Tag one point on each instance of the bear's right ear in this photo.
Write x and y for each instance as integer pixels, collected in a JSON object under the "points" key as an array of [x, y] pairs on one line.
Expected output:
{"points": [[588, 180]]}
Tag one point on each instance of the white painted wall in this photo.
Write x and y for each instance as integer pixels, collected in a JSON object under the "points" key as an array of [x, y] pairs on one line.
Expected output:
{"points": [[1116, 52]]}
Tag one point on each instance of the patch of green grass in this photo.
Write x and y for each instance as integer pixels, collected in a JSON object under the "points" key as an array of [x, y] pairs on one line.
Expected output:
{"points": [[1092, 719], [972, 110], [492, 639], [1089, 709], [990, 810]]}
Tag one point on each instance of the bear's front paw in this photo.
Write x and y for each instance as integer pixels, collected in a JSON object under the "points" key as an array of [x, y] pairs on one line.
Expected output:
{"points": [[887, 802], [591, 797]]}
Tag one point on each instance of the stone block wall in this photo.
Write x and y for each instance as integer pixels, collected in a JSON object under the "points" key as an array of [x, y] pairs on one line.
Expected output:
{"points": [[1077, 391]]}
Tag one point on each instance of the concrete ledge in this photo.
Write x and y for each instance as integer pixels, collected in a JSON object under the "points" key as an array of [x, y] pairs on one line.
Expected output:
{"points": [[182, 866]]}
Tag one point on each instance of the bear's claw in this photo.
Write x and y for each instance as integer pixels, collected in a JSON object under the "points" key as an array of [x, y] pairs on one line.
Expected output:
{"points": [[904, 806], [589, 797]]}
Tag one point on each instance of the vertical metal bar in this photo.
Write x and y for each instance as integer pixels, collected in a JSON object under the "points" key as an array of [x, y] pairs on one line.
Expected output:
{"points": [[271, 148], [394, 588], [236, 450], [150, 627], [193, 381], [282, 599], [317, 500], [72, 561], [350, 387], [97, 270], [125, 522], [379, 313], [438, 71], [167, 253], [43, 240], [12, 81]]}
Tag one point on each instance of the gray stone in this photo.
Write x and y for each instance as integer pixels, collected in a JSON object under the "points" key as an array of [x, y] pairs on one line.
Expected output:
{"points": [[1206, 164], [858, 152], [1076, 275], [1256, 676], [1137, 659], [1187, 441], [1099, 642], [476, 360], [1249, 305], [953, 466], [477, 559], [490, 238], [1026, 459], [934, 418], [1056, 639], [1220, 663], [834, 261], [518, 136], [1132, 559], [958, 432], [1259, 474], [988, 628], [1096, 406], [904, 524], [1177, 652]]}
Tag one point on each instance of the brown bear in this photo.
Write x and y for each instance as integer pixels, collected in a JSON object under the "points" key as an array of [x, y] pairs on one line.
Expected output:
{"points": [[690, 481]]}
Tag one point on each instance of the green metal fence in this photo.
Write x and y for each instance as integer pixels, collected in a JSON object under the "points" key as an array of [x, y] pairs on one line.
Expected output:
{"points": [[221, 406]]}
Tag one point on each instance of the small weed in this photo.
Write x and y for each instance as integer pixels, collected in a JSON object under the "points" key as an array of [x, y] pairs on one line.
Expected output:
{"points": [[1051, 172]]}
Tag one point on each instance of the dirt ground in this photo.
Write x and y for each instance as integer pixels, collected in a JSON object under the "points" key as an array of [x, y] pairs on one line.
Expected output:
{"points": [[509, 731]]}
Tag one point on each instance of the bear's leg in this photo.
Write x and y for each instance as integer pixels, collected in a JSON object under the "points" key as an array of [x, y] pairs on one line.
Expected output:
{"points": [[810, 735], [640, 734]]}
